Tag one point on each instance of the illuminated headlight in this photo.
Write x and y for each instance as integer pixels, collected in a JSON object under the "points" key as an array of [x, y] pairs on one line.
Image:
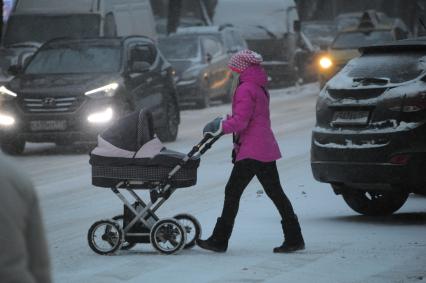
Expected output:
{"points": [[325, 63], [6, 93], [101, 117], [104, 91], [6, 120]]}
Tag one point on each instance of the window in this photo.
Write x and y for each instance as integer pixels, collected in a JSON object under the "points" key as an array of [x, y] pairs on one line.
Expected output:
{"points": [[110, 28], [239, 41], [212, 47], [143, 53]]}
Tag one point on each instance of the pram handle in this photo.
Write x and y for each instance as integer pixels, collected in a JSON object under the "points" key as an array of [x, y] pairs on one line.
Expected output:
{"points": [[204, 145], [200, 148]]}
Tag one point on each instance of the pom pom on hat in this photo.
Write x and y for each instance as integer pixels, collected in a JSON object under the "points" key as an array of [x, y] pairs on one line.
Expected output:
{"points": [[240, 61]]}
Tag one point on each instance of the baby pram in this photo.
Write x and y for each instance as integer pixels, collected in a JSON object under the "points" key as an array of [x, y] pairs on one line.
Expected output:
{"points": [[128, 157]]}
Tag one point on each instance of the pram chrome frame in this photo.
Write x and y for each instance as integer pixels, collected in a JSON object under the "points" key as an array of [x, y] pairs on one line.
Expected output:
{"points": [[159, 194]]}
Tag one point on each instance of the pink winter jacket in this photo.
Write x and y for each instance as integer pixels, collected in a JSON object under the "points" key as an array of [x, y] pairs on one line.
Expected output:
{"points": [[250, 119]]}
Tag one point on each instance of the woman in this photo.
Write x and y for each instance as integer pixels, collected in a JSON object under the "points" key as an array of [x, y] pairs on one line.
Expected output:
{"points": [[255, 152]]}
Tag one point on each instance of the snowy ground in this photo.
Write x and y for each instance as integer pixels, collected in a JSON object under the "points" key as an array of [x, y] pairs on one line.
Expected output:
{"points": [[341, 246]]}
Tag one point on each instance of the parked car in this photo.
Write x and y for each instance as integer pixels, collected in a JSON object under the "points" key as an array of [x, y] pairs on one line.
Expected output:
{"points": [[200, 56], [73, 88], [345, 45], [32, 23], [369, 142], [268, 28]]}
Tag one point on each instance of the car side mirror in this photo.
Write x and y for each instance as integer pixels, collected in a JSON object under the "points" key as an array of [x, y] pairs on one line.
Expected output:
{"points": [[139, 67], [15, 70], [209, 58]]}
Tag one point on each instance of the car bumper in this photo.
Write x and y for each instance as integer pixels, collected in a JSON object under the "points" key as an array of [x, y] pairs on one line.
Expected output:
{"points": [[75, 126], [371, 164]]}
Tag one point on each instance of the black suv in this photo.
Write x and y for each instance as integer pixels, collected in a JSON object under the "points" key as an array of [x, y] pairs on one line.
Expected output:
{"points": [[369, 142], [73, 88]]}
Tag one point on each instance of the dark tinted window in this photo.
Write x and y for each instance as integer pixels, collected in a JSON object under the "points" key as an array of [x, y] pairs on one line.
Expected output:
{"points": [[396, 67], [76, 59], [144, 53], [353, 40], [41, 28]]}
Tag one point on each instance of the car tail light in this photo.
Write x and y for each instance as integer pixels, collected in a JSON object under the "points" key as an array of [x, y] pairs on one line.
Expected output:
{"points": [[400, 159]]}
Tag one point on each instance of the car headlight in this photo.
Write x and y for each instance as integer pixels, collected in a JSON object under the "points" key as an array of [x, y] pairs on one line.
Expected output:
{"points": [[6, 120], [104, 91], [325, 62], [6, 93], [101, 117]]}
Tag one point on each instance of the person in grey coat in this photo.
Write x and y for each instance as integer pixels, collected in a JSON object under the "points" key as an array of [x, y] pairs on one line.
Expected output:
{"points": [[23, 249]]}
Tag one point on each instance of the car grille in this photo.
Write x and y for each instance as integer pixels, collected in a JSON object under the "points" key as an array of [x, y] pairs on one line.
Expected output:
{"points": [[51, 104], [356, 93]]}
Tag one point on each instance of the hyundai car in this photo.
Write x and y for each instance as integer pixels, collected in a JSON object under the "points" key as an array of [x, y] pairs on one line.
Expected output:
{"points": [[71, 89]]}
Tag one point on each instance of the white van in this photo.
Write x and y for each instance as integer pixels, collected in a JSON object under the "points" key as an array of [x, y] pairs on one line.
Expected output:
{"points": [[42, 20]]}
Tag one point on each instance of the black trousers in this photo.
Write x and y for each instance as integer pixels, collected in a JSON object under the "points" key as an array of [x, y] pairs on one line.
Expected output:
{"points": [[267, 174]]}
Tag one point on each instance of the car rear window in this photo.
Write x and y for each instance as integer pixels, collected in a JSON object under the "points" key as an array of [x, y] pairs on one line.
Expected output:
{"points": [[396, 67]]}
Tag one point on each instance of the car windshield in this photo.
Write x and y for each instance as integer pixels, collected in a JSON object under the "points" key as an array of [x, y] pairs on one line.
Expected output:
{"points": [[317, 30], [272, 15], [76, 59], [180, 48], [41, 28], [394, 67], [354, 40]]}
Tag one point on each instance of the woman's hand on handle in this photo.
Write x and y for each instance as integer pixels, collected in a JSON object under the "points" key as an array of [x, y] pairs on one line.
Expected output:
{"points": [[213, 128]]}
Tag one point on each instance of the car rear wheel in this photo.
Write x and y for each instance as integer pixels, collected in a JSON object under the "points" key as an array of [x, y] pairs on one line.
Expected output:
{"points": [[170, 131], [374, 203], [13, 146]]}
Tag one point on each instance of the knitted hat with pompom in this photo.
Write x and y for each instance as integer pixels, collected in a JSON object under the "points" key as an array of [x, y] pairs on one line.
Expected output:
{"points": [[240, 61]]}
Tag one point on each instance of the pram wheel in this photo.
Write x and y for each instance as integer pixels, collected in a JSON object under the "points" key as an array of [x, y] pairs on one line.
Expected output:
{"points": [[105, 237], [126, 245], [192, 228], [168, 236]]}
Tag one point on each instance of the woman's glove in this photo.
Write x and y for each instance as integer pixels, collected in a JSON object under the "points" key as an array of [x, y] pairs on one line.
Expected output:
{"points": [[213, 128]]}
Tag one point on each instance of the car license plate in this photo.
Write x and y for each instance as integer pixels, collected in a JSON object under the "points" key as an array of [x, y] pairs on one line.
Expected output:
{"points": [[48, 125], [354, 118]]}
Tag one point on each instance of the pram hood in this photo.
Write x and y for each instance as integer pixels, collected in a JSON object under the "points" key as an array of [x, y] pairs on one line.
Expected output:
{"points": [[130, 141]]}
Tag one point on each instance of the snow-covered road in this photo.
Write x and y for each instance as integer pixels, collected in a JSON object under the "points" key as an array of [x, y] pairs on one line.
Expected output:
{"points": [[341, 246]]}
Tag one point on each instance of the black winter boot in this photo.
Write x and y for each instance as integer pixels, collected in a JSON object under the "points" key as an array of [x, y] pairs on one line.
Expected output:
{"points": [[218, 241], [293, 236]]}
